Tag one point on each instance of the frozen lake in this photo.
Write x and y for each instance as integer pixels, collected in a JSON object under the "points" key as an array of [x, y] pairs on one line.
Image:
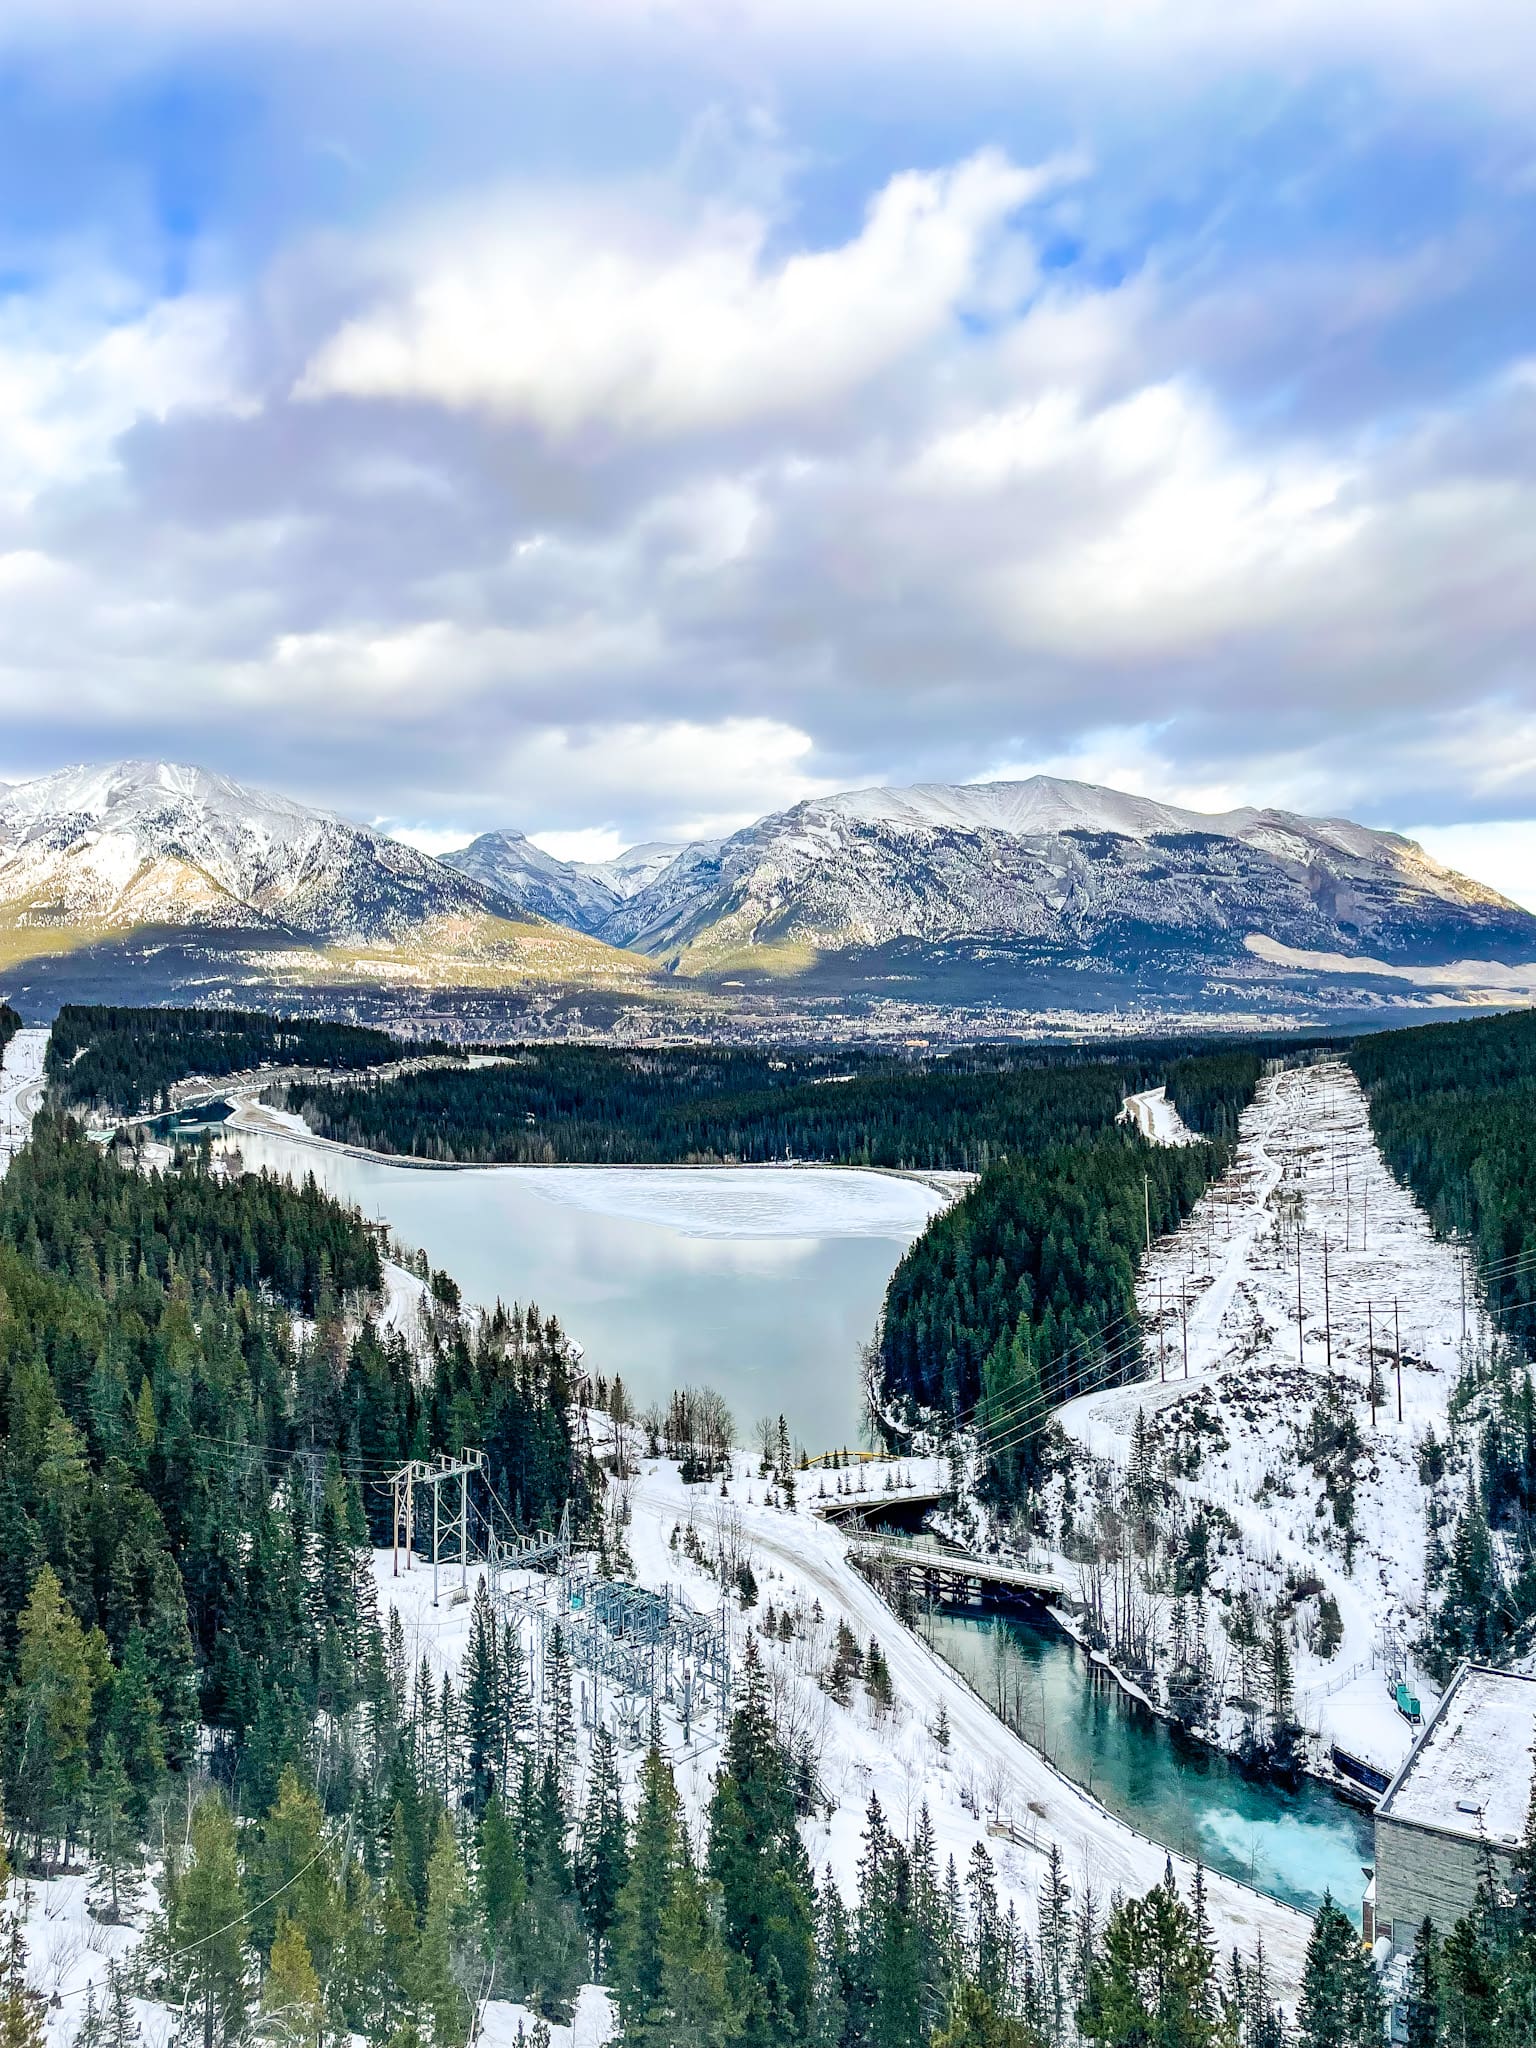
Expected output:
{"points": [[760, 1281]]}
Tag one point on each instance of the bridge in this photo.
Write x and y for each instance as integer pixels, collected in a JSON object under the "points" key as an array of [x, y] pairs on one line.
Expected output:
{"points": [[952, 1577], [844, 1507]]}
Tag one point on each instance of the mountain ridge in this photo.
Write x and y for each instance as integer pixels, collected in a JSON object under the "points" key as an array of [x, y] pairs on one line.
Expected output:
{"points": [[1035, 896], [1062, 866]]}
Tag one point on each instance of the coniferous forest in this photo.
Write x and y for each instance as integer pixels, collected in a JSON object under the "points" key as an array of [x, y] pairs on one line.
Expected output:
{"points": [[326, 1837], [1453, 1108], [1024, 1293], [199, 1693], [966, 1109], [104, 1057]]}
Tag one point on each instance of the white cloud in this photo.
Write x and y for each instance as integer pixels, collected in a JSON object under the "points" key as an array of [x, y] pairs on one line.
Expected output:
{"points": [[592, 843], [635, 320], [1501, 854], [73, 376], [696, 779]]}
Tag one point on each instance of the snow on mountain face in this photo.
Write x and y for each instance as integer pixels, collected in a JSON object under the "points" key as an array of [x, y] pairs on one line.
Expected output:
{"points": [[1070, 870], [523, 874], [149, 843], [589, 896]]}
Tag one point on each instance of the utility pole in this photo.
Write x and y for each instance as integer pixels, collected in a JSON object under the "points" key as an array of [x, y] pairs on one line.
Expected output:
{"points": [[1397, 1338], [1463, 1297], [1301, 1346], [1146, 1205], [1162, 1336], [1327, 1315], [1184, 1305], [1370, 1370]]}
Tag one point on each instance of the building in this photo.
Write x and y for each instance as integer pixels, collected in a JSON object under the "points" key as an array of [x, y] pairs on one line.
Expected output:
{"points": [[1458, 1803]]}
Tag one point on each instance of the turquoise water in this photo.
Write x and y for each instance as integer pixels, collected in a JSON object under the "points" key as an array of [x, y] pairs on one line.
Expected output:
{"points": [[1292, 1845]]}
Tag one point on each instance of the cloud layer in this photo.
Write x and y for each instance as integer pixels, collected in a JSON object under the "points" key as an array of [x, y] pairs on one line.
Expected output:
{"points": [[844, 420]]}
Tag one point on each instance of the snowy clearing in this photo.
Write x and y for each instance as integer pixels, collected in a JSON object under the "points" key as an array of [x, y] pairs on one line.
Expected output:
{"points": [[1156, 1118], [1227, 1286]]}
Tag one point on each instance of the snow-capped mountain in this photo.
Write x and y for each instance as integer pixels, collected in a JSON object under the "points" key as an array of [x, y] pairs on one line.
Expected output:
{"points": [[1062, 871], [586, 895], [518, 872], [144, 843]]}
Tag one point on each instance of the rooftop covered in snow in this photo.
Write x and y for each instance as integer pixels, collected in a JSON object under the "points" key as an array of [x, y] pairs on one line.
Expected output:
{"points": [[1470, 1772]]}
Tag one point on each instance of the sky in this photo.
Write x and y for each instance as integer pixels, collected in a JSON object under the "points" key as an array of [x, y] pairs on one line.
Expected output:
{"points": [[621, 418]]}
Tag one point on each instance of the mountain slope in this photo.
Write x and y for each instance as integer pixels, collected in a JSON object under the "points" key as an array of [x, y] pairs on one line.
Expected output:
{"points": [[90, 855], [520, 873], [588, 896], [1066, 872]]}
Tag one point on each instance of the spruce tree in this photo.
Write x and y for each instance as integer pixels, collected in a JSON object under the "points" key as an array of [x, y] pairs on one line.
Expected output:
{"points": [[21, 2008], [484, 1712], [758, 1861], [115, 1848], [205, 1931], [444, 1935], [1423, 2000], [602, 1855], [639, 1932], [1340, 1999]]}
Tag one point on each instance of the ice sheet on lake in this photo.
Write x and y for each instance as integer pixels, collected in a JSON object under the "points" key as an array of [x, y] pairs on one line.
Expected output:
{"points": [[743, 1201]]}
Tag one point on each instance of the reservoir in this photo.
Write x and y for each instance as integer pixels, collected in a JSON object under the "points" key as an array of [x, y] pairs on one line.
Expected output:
{"points": [[1292, 1845], [763, 1282]]}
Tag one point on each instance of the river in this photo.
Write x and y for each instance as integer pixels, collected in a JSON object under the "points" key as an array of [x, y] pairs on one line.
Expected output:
{"points": [[764, 1282], [1292, 1845], [760, 1281]]}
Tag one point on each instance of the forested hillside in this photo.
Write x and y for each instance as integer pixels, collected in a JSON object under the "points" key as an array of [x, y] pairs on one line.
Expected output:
{"points": [[10, 1024], [103, 1057], [1453, 1107], [966, 1109], [1023, 1294]]}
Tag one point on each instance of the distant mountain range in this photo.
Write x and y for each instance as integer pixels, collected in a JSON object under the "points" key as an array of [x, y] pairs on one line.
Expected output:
{"points": [[1034, 895]]}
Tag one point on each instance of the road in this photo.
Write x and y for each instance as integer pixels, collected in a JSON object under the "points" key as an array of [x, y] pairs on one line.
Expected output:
{"points": [[21, 1090], [801, 1549]]}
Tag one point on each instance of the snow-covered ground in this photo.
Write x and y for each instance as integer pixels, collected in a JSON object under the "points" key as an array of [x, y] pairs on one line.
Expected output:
{"points": [[986, 1773], [21, 1090], [1228, 1281], [1156, 1118]]}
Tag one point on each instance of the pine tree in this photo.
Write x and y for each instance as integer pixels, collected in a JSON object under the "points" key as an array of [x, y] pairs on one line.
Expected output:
{"points": [[290, 1991], [668, 1962], [120, 2020], [58, 1669]]}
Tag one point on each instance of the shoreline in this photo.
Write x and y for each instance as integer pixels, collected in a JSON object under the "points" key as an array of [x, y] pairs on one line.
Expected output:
{"points": [[248, 1114]]}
